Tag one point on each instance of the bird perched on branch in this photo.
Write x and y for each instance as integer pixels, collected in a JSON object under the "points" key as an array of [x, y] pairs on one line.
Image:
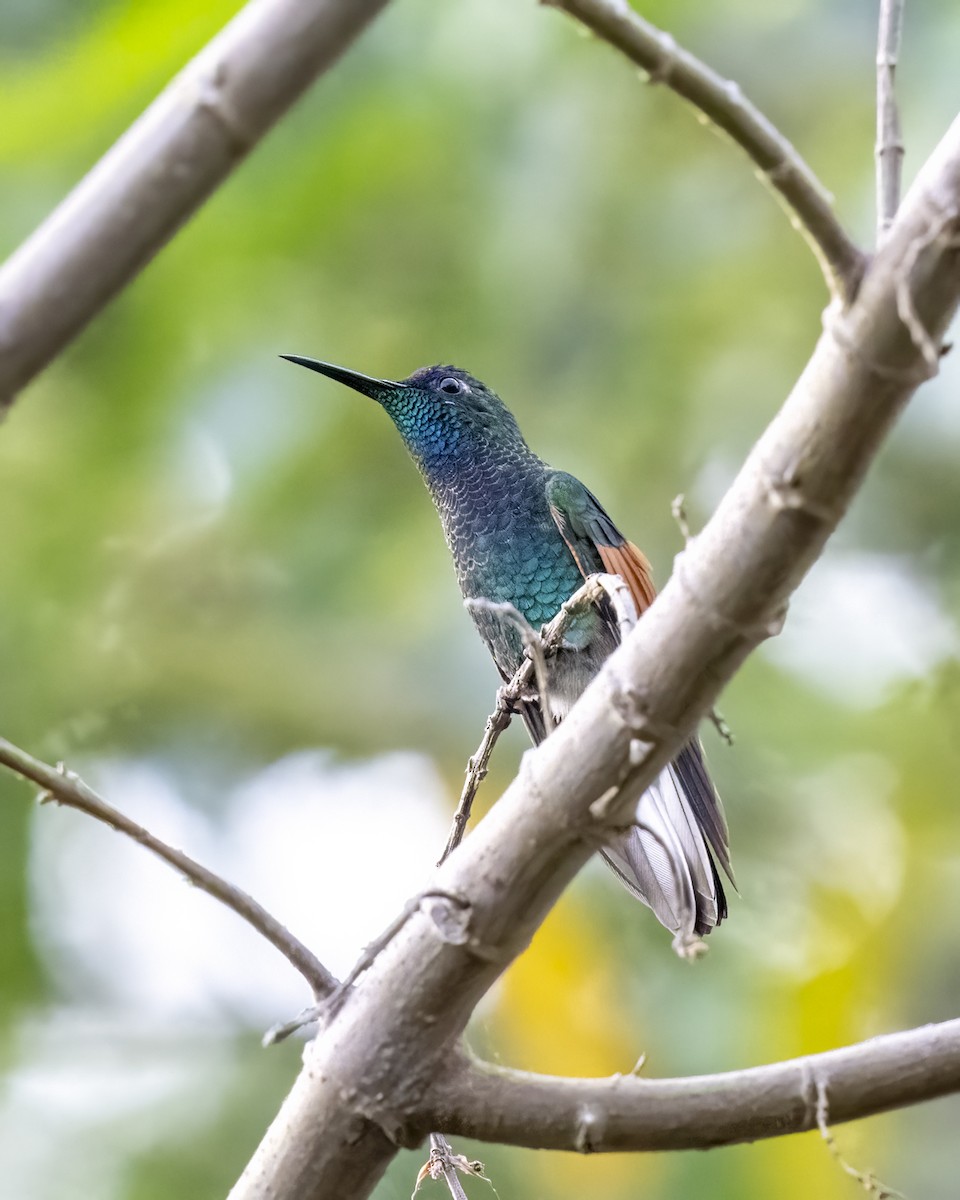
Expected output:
{"points": [[524, 535]]}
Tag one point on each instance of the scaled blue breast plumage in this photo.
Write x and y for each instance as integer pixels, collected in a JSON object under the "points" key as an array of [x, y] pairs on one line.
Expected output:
{"points": [[490, 491], [524, 534]]}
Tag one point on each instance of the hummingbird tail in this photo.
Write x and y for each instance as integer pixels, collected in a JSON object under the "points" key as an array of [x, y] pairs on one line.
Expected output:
{"points": [[665, 858]]}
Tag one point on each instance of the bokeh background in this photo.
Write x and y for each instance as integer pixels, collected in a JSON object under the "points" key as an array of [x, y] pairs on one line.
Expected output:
{"points": [[225, 598]]}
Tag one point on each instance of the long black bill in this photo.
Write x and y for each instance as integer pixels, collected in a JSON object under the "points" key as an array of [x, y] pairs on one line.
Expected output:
{"points": [[366, 384]]}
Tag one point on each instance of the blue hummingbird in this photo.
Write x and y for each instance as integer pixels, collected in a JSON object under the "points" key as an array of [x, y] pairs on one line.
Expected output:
{"points": [[525, 534]]}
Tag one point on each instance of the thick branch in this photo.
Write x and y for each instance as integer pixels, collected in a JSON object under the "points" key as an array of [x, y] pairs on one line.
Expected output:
{"points": [[362, 1091], [161, 170], [625, 1112], [722, 102], [69, 790]]}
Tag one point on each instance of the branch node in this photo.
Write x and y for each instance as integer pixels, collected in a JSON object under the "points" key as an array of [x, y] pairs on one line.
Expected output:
{"points": [[720, 725], [785, 493], [752, 632], [284, 1029], [679, 510], [629, 702], [451, 917], [603, 809], [662, 72], [836, 327], [929, 348], [588, 1133], [211, 98], [774, 627]]}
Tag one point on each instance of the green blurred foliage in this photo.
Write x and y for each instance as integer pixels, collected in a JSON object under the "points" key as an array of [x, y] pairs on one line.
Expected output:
{"points": [[211, 560]]}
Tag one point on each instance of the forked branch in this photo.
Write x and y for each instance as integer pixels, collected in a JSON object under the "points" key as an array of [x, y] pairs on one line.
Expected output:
{"points": [[392, 1038], [68, 789], [722, 102], [627, 1112]]}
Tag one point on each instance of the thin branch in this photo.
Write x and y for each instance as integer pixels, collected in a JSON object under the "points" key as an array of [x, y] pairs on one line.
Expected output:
{"points": [[627, 1112], [367, 1077], [679, 511], [533, 645], [867, 1180], [328, 1007], [443, 1164], [595, 587], [889, 148], [479, 762], [68, 789], [721, 726], [721, 101], [162, 169]]}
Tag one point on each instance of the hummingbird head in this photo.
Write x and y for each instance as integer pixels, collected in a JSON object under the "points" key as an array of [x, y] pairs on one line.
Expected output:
{"points": [[444, 414]]}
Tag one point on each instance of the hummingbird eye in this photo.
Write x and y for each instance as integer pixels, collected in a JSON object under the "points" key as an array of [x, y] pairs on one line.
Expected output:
{"points": [[453, 387]]}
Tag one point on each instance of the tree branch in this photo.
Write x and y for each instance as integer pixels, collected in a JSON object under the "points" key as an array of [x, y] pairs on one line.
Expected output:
{"points": [[594, 589], [443, 1164], [162, 169], [779, 165], [68, 789], [625, 1112], [889, 148], [361, 1094]]}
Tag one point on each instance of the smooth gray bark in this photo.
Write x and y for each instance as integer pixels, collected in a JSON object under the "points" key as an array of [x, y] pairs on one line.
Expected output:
{"points": [[162, 169], [630, 1113]]}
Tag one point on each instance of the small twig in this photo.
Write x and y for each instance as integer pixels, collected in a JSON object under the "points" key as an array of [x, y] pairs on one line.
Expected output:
{"points": [[532, 643], [284, 1029], [444, 1164], [679, 510], [440, 1165], [720, 725], [867, 1180], [68, 789], [720, 100], [595, 587], [497, 722], [329, 1006], [889, 147]]}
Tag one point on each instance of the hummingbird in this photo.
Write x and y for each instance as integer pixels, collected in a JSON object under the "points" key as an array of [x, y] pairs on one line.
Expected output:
{"points": [[526, 535]]}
